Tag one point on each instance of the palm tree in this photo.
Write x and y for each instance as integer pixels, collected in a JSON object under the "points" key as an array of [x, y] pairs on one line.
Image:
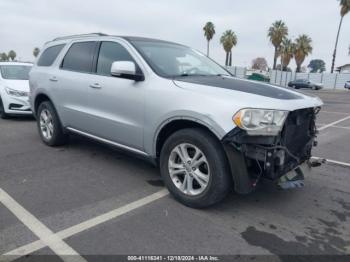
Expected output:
{"points": [[345, 8], [36, 51], [3, 57], [277, 32], [302, 49], [228, 41], [209, 32], [12, 54], [286, 52]]}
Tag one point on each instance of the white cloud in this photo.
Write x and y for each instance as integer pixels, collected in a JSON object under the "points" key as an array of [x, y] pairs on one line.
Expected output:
{"points": [[26, 24]]}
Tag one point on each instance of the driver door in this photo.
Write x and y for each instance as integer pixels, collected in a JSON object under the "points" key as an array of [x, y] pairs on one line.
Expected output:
{"points": [[117, 104]]}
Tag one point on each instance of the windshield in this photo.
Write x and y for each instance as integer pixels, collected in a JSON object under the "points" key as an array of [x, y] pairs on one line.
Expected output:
{"points": [[15, 72], [173, 60]]}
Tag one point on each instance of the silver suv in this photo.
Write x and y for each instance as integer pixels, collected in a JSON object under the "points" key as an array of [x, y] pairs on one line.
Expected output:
{"points": [[207, 130]]}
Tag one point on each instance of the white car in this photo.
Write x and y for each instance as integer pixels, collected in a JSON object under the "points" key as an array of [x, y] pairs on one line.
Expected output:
{"points": [[14, 89]]}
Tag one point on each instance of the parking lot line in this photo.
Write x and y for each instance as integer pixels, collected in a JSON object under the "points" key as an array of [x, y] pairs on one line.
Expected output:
{"points": [[342, 127], [333, 123], [47, 237], [333, 112], [332, 161], [36, 245]]}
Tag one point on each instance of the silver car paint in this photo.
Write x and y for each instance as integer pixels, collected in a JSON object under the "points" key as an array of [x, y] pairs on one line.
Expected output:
{"points": [[130, 113]]}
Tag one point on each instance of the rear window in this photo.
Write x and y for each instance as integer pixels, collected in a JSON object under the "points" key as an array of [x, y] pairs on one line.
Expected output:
{"points": [[79, 57], [49, 55], [15, 72]]}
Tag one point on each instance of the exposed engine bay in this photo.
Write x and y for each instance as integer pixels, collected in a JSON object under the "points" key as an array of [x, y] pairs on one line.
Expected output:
{"points": [[272, 157]]}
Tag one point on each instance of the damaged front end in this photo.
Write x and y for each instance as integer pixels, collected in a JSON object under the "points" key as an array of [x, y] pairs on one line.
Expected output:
{"points": [[278, 158]]}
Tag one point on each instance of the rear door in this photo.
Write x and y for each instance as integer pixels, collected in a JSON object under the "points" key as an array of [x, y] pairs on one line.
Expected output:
{"points": [[117, 104], [71, 84]]}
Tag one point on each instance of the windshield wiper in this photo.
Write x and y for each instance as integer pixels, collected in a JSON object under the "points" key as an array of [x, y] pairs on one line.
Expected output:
{"points": [[222, 75], [188, 75], [203, 75]]}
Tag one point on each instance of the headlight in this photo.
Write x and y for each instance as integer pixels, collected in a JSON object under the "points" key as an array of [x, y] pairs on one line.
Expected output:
{"points": [[13, 92], [260, 122]]}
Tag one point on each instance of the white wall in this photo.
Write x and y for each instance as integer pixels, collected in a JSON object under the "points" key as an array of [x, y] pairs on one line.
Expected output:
{"points": [[330, 81], [237, 71]]}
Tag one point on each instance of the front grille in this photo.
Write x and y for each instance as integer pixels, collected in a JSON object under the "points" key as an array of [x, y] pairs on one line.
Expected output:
{"points": [[298, 133]]}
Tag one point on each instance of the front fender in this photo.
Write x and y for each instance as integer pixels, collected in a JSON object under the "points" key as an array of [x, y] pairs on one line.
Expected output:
{"points": [[152, 135]]}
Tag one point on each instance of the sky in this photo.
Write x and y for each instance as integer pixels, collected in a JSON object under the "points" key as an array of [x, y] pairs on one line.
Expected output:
{"points": [[26, 24]]}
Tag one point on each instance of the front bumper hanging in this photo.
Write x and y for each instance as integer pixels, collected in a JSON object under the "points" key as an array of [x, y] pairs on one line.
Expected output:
{"points": [[278, 158]]}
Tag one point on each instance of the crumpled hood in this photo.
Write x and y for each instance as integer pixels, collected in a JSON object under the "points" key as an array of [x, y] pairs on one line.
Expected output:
{"points": [[247, 94], [20, 85]]}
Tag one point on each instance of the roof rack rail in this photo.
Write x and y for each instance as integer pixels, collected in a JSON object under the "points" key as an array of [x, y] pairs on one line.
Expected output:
{"points": [[78, 36]]}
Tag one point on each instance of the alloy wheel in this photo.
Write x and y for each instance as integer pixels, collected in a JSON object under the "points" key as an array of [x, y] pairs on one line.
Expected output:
{"points": [[46, 124], [189, 169]]}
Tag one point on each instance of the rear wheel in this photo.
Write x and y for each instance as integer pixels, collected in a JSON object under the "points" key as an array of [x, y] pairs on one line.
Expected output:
{"points": [[49, 125], [3, 115], [194, 168]]}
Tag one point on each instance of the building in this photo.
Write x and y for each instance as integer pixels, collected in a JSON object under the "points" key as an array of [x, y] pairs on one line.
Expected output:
{"points": [[344, 68]]}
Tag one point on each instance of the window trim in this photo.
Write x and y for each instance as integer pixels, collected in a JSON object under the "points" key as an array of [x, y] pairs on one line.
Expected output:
{"points": [[92, 62], [138, 68], [47, 48], [96, 53]]}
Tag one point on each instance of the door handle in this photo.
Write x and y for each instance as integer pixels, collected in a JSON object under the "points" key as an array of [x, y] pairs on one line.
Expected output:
{"points": [[95, 86], [53, 79]]}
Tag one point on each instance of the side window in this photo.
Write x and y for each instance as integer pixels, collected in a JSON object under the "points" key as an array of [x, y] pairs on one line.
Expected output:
{"points": [[49, 55], [79, 57], [109, 53]]}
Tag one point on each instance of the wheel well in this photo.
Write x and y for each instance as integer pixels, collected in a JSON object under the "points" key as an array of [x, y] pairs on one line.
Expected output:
{"points": [[174, 126], [38, 100]]}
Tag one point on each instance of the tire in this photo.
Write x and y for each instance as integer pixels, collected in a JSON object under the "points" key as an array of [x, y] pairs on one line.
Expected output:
{"points": [[54, 135], [295, 87], [218, 178], [3, 115]]}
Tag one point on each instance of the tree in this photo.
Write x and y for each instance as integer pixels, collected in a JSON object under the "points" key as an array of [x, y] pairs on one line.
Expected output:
{"points": [[209, 32], [317, 65], [302, 49], [276, 33], [287, 69], [3, 57], [228, 41], [260, 63], [344, 9], [12, 54], [36, 51], [286, 52]]}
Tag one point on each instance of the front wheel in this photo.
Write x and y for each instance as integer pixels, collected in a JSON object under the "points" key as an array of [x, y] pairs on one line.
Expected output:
{"points": [[3, 115], [194, 168], [49, 125]]}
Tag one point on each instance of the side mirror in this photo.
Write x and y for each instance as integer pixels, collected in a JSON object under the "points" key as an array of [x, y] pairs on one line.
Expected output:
{"points": [[127, 70]]}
